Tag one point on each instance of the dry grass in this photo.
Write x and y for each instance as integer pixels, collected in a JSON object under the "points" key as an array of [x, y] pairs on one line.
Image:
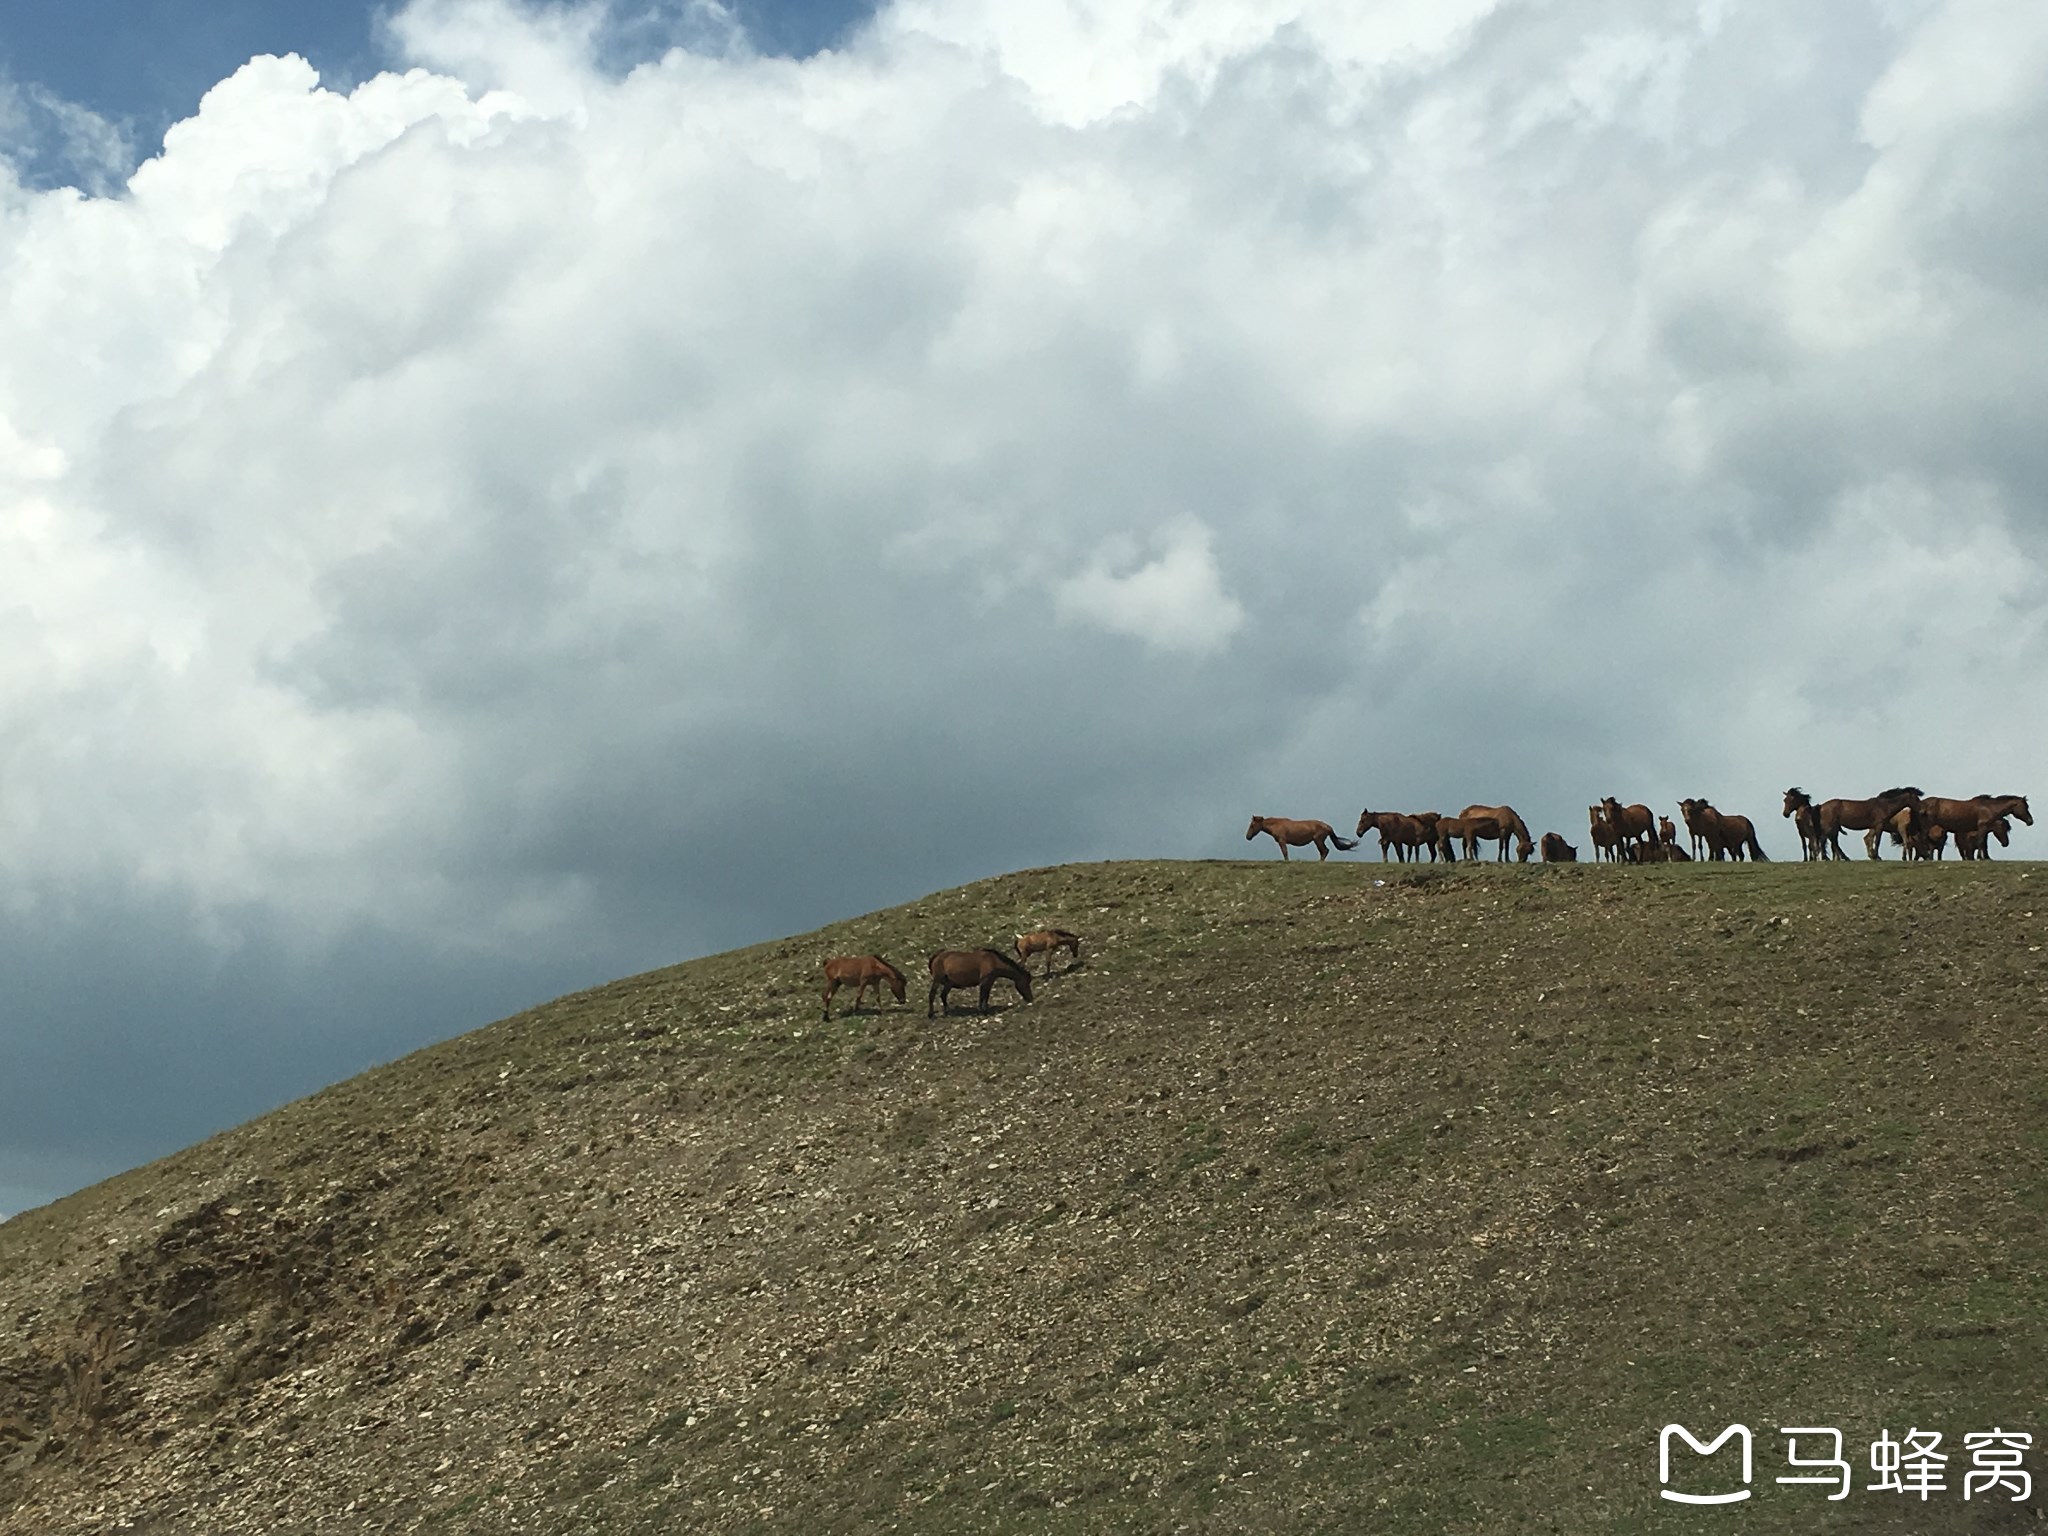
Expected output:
{"points": [[1305, 1203]]}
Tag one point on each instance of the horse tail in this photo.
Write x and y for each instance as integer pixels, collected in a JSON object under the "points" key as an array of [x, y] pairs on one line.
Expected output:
{"points": [[1344, 844], [1756, 849]]}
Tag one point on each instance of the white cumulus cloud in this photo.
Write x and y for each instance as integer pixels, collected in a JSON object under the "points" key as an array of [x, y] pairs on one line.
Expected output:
{"points": [[560, 506], [1175, 601]]}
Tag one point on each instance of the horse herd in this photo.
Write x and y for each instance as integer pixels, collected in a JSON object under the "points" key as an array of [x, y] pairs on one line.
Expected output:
{"points": [[1919, 824], [950, 968]]}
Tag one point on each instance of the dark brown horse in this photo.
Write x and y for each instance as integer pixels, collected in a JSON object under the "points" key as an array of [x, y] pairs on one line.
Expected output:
{"points": [[1048, 942], [1298, 834], [1724, 834], [981, 968], [1806, 818], [1507, 824], [1427, 820], [1406, 835], [1631, 823], [1977, 844], [1865, 816], [1978, 811], [863, 971], [1557, 851]]}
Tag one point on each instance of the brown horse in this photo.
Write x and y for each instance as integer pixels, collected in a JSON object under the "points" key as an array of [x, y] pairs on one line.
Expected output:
{"points": [[1977, 844], [1865, 816], [1806, 819], [1630, 822], [1048, 942], [1602, 834], [864, 971], [1557, 851], [1298, 834], [1427, 820], [1406, 835], [1504, 818], [1449, 832], [1724, 834], [981, 968], [1977, 811], [1667, 834]]}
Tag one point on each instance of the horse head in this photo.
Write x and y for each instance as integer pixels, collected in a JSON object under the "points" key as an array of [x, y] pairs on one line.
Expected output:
{"points": [[1252, 831]]}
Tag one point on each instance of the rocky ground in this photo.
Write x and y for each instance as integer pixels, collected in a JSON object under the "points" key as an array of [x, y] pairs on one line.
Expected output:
{"points": [[1305, 1202]]}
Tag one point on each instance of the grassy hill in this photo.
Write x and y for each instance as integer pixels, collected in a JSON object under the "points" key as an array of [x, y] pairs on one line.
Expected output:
{"points": [[1306, 1203]]}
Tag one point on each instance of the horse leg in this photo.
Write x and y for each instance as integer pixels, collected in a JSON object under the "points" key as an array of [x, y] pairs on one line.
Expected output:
{"points": [[1322, 850], [830, 988], [987, 985], [938, 990]]}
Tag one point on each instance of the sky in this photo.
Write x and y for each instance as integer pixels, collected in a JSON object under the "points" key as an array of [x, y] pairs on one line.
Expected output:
{"points": [[496, 497]]}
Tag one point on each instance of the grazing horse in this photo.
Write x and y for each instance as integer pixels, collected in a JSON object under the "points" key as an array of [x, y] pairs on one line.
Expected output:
{"points": [[864, 971], [1602, 834], [1048, 942], [1865, 816], [1299, 834], [981, 968], [1557, 851], [1406, 835], [1724, 834], [1510, 824], [1799, 806], [1629, 821]]}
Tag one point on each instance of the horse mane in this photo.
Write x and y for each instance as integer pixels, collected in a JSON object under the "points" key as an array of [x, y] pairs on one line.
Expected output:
{"points": [[1902, 789]]}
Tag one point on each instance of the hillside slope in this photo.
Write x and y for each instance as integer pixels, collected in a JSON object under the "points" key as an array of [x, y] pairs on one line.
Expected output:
{"points": [[1305, 1203]]}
